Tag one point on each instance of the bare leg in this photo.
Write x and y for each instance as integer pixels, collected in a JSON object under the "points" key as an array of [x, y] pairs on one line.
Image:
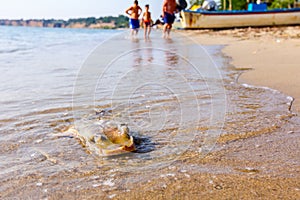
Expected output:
{"points": [[145, 31], [132, 32], [135, 32], [169, 30], [165, 30], [149, 31]]}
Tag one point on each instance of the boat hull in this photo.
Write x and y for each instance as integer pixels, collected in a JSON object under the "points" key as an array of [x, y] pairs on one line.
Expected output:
{"points": [[231, 19]]}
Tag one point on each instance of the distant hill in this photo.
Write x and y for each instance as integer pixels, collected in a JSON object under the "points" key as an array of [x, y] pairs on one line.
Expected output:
{"points": [[108, 22]]}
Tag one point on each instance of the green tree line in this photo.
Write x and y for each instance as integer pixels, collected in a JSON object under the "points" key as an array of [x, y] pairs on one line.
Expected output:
{"points": [[120, 21]]}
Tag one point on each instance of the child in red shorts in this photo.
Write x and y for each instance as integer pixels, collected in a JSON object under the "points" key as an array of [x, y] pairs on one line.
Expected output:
{"points": [[147, 22]]}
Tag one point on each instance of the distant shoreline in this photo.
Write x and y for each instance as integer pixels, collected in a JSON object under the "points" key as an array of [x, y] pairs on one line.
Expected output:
{"points": [[108, 22]]}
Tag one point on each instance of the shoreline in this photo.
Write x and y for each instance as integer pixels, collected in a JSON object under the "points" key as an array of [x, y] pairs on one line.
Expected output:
{"points": [[268, 56], [259, 166], [267, 163]]}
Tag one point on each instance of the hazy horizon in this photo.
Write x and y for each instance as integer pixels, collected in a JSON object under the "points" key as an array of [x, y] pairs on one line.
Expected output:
{"points": [[67, 9]]}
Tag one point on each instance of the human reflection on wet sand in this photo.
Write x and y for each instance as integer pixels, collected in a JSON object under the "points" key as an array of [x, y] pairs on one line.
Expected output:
{"points": [[171, 58], [149, 55], [142, 55]]}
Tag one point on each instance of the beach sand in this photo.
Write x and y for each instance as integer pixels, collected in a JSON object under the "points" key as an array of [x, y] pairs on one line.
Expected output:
{"points": [[272, 53], [260, 166], [265, 166]]}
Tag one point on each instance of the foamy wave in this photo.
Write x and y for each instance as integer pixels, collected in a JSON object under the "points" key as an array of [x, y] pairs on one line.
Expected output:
{"points": [[261, 87], [290, 99]]}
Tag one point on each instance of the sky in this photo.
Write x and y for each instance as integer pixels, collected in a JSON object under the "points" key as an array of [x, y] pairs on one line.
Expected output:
{"points": [[65, 9]]}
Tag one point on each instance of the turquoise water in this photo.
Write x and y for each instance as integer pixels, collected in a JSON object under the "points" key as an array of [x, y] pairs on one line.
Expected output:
{"points": [[176, 96]]}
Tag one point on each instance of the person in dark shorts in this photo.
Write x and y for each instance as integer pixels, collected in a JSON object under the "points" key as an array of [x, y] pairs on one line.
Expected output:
{"points": [[134, 12], [169, 8], [169, 18]]}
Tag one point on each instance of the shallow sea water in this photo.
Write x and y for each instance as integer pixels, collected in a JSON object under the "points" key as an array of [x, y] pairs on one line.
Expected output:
{"points": [[177, 97]]}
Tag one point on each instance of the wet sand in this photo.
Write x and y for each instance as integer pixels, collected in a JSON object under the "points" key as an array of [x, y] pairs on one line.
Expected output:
{"points": [[266, 166], [263, 165], [272, 53]]}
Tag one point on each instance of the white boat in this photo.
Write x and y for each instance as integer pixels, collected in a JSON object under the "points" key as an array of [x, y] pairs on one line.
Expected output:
{"points": [[230, 19]]}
